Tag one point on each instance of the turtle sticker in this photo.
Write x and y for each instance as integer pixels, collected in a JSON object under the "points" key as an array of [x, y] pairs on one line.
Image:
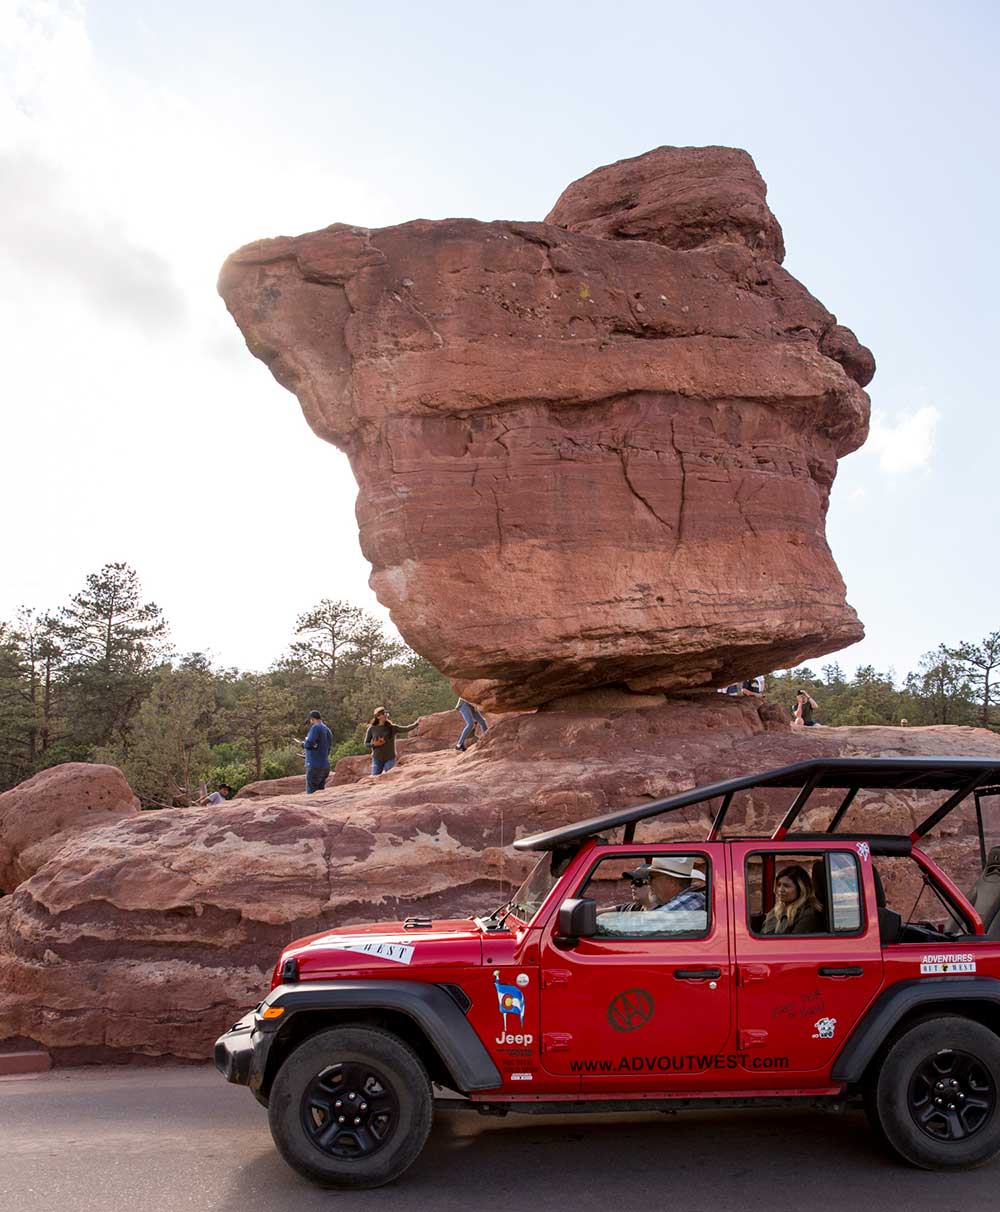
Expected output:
{"points": [[825, 1028]]}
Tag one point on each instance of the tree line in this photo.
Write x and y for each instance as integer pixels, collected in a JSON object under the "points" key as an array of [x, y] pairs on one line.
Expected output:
{"points": [[98, 680], [952, 684]]}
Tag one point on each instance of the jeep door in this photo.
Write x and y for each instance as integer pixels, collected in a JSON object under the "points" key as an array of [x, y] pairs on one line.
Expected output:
{"points": [[799, 995], [645, 1004]]}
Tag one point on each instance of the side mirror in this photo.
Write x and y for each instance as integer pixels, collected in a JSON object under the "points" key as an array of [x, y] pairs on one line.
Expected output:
{"points": [[577, 919]]}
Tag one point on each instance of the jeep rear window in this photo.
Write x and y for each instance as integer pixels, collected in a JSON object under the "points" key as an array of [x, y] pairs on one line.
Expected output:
{"points": [[833, 904]]}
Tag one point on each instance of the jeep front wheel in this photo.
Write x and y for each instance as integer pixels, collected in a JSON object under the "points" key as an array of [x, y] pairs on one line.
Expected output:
{"points": [[351, 1107], [935, 1095]]}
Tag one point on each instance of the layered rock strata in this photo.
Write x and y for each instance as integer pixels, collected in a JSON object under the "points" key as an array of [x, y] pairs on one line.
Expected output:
{"points": [[149, 936], [592, 451]]}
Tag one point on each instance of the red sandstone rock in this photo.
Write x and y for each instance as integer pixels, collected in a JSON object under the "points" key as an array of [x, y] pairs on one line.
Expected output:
{"points": [[152, 935], [681, 197], [15, 1063], [267, 789], [38, 817], [584, 458]]}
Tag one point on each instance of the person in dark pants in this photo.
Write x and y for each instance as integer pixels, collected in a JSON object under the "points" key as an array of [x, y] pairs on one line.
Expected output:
{"points": [[380, 740], [472, 716], [316, 747]]}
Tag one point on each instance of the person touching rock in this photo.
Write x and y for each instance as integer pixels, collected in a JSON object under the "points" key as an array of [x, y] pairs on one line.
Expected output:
{"points": [[380, 740]]}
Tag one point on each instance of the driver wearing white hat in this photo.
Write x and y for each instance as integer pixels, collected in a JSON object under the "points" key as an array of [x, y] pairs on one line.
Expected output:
{"points": [[675, 883]]}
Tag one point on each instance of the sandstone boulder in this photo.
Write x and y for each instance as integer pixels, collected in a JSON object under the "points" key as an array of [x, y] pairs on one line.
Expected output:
{"points": [[267, 789], [151, 935], [680, 197], [38, 817], [594, 451]]}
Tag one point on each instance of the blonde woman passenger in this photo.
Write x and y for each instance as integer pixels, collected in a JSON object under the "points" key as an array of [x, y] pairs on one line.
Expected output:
{"points": [[796, 909]]}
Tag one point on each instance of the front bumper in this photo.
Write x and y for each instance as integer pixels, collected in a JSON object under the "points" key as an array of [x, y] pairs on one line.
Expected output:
{"points": [[234, 1050], [241, 1052]]}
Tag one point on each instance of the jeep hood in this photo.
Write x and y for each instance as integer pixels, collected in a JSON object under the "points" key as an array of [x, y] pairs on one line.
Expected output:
{"points": [[386, 950]]}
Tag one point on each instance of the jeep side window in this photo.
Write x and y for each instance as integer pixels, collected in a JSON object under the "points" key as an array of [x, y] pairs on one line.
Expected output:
{"points": [[845, 893], [915, 898], [651, 896], [828, 888]]}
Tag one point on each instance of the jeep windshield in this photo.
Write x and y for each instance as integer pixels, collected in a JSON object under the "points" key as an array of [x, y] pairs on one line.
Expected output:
{"points": [[529, 898]]}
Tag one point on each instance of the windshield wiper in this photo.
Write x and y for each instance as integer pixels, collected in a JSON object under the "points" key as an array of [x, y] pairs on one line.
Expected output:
{"points": [[497, 918], [504, 908], [509, 909]]}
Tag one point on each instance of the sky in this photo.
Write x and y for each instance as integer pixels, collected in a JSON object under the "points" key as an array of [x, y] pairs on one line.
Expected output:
{"points": [[140, 144]]}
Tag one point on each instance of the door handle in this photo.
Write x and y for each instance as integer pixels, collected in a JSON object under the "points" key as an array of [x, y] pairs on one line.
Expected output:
{"points": [[843, 973], [697, 974]]}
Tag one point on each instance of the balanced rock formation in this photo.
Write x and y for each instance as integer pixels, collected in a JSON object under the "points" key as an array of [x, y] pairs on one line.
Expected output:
{"points": [[150, 936], [592, 451]]}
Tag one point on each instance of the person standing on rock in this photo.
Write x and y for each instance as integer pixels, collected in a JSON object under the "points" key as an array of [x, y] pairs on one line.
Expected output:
{"points": [[380, 739], [316, 749], [472, 717]]}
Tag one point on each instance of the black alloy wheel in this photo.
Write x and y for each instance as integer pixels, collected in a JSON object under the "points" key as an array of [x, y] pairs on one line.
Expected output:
{"points": [[951, 1095], [933, 1098], [349, 1110], [351, 1107]]}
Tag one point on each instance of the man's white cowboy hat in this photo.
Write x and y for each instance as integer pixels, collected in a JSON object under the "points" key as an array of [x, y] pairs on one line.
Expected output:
{"points": [[680, 867]]}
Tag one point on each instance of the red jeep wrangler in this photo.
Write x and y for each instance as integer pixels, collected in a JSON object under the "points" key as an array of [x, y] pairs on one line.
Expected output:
{"points": [[624, 976]]}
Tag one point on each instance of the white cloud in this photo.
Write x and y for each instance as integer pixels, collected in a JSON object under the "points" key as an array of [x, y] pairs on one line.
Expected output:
{"points": [[46, 238], [138, 427], [906, 443]]}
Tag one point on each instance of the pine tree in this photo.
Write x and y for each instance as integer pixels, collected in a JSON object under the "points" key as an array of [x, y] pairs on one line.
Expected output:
{"points": [[328, 629], [113, 643], [980, 663], [940, 686], [262, 715], [168, 752]]}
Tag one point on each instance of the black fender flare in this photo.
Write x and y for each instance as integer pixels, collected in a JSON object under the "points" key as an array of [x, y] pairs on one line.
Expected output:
{"points": [[924, 992], [434, 1010]]}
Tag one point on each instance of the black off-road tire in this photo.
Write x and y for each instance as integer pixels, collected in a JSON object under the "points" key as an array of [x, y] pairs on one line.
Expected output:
{"points": [[936, 1096], [342, 1077]]}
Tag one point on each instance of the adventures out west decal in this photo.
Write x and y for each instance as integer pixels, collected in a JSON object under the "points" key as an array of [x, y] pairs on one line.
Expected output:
{"points": [[947, 963], [514, 1044]]}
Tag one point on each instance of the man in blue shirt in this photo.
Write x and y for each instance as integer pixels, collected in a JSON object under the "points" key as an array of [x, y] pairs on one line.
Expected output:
{"points": [[316, 748]]}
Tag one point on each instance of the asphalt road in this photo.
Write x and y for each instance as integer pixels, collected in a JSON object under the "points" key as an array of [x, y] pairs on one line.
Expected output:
{"points": [[162, 1140]]}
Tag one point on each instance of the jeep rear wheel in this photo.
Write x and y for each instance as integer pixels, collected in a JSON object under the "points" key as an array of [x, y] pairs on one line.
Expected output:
{"points": [[351, 1107], [935, 1096]]}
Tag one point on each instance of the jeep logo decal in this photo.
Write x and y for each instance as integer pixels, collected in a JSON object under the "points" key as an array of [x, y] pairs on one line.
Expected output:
{"points": [[631, 1010]]}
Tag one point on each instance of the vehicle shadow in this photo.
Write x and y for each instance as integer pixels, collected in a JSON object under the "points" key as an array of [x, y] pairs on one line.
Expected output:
{"points": [[716, 1161]]}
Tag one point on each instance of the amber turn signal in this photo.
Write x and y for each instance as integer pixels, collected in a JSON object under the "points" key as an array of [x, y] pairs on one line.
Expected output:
{"points": [[273, 1012]]}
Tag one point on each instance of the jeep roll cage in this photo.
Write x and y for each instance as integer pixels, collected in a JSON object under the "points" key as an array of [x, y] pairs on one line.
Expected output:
{"points": [[959, 776]]}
